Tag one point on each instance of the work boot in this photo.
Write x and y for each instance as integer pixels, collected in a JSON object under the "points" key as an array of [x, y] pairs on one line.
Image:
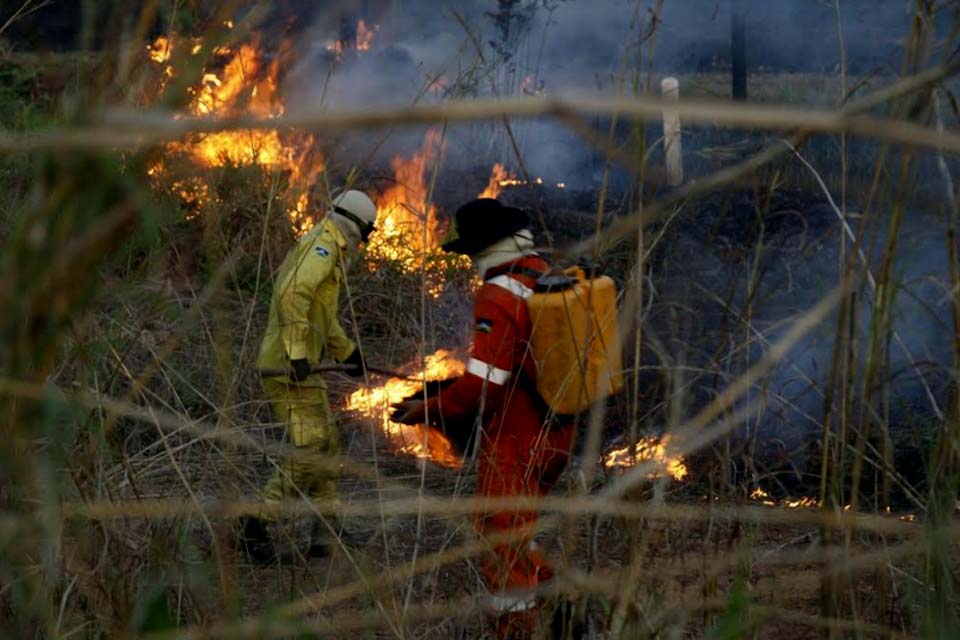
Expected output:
{"points": [[255, 541]]}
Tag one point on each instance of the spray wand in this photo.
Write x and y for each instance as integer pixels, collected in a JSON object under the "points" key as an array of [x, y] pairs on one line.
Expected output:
{"points": [[337, 368]]}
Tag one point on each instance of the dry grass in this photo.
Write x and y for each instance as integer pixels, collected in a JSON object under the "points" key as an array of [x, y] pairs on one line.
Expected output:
{"points": [[135, 431]]}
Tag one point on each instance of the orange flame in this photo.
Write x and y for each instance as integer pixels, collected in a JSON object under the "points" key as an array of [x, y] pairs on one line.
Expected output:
{"points": [[161, 50], [362, 42], [418, 441], [760, 495], [336, 48], [649, 449], [365, 35], [498, 178], [513, 181], [407, 227], [160, 53], [245, 85], [408, 232], [804, 502]]}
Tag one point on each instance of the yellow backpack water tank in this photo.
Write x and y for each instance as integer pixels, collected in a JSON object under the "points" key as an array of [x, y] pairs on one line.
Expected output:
{"points": [[575, 340]]}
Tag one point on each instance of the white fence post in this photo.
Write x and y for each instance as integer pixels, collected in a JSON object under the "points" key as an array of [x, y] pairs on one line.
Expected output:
{"points": [[672, 144]]}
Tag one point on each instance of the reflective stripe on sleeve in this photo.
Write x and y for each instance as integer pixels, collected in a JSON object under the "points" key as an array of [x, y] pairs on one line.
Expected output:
{"points": [[488, 372], [512, 285]]}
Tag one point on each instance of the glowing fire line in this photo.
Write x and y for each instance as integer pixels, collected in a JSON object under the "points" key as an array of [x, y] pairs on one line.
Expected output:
{"points": [[649, 449], [803, 502], [374, 403]]}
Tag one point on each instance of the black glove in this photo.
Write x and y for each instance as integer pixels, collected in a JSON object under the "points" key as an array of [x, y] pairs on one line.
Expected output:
{"points": [[355, 360], [409, 412], [299, 369]]}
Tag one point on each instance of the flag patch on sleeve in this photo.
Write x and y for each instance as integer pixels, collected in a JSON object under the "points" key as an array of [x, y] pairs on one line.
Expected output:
{"points": [[484, 325]]}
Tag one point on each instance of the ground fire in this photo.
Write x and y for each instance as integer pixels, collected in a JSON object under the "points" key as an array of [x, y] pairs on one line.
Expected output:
{"points": [[409, 232], [803, 502], [652, 449], [243, 80], [510, 180], [374, 403]]}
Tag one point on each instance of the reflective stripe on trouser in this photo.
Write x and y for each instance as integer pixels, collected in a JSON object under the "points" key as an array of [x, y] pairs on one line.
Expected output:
{"points": [[313, 468], [515, 602]]}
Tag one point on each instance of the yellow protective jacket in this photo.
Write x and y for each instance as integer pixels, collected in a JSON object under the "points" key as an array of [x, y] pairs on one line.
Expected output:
{"points": [[303, 310]]}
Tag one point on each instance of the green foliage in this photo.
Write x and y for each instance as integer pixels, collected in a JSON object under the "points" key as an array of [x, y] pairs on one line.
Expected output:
{"points": [[735, 621], [21, 107], [153, 613]]}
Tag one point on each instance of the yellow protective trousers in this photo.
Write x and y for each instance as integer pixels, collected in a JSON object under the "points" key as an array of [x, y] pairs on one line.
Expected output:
{"points": [[313, 468]]}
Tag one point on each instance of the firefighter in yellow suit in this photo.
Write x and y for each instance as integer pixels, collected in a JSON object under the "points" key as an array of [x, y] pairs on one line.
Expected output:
{"points": [[302, 329]]}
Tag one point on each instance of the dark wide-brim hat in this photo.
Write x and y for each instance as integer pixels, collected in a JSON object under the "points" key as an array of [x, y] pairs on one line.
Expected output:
{"points": [[482, 222]]}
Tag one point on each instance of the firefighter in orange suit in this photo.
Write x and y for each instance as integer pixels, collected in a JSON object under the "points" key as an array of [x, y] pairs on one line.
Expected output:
{"points": [[303, 328], [521, 454]]}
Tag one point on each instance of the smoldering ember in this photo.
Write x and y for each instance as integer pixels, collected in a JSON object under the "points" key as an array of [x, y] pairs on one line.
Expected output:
{"points": [[480, 319]]}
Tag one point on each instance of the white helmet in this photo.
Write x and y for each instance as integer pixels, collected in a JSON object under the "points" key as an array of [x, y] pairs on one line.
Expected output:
{"points": [[358, 208]]}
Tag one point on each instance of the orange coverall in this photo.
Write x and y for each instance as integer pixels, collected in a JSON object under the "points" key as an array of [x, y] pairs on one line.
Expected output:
{"points": [[520, 455]]}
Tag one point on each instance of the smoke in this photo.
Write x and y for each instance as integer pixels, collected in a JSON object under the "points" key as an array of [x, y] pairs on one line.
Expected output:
{"points": [[428, 51], [694, 35], [431, 51], [578, 45], [708, 279]]}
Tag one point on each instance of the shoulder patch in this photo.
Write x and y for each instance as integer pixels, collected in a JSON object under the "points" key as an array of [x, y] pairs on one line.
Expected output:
{"points": [[320, 251], [484, 325]]}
